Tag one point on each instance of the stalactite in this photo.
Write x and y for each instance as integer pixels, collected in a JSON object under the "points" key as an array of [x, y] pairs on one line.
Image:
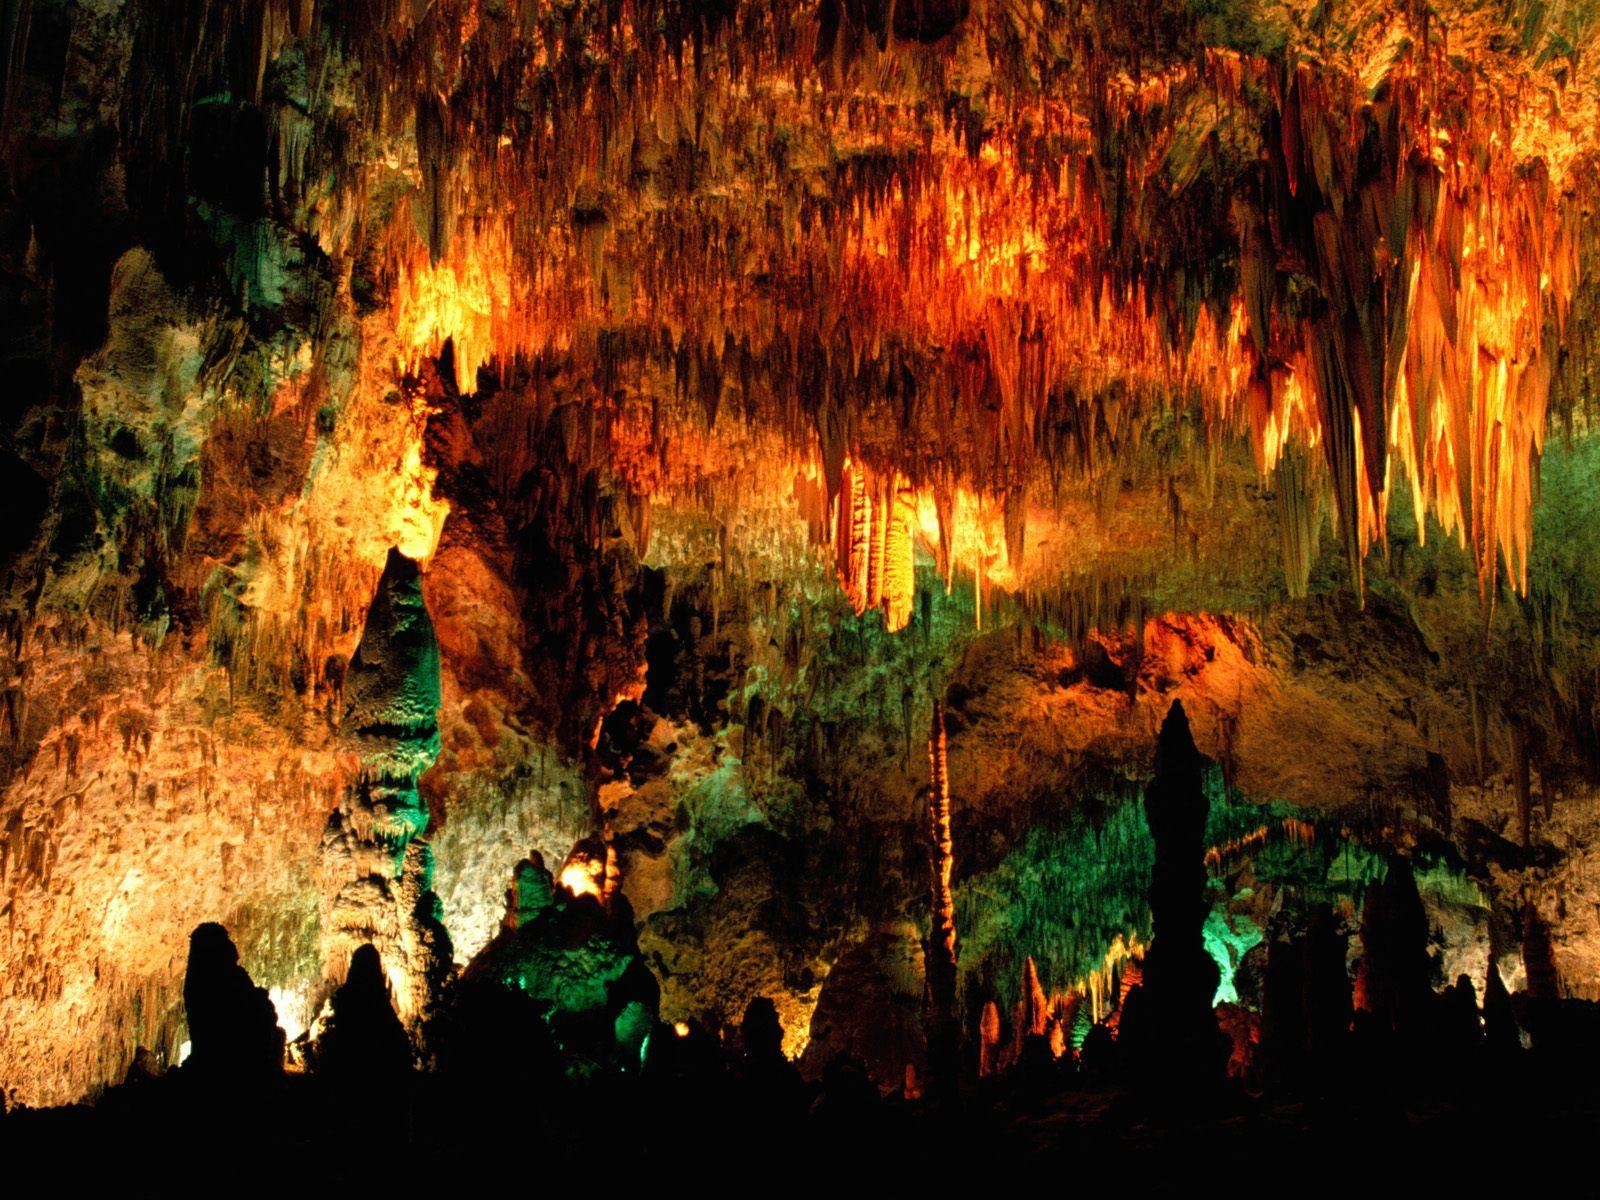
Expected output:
{"points": [[1299, 520], [1016, 525], [899, 555], [878, 514], [854, 536], [944, 516]]}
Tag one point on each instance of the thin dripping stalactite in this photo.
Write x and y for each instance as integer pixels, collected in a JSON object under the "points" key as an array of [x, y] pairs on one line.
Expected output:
{"points": [[1299, 520]]}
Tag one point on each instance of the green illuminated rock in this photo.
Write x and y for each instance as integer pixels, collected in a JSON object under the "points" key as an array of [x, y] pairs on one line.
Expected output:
{"points": [[580, 964], [377, 866]]}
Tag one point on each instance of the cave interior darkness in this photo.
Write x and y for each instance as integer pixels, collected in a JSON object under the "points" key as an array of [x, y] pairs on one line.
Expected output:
{"points": [[1013, 577]]}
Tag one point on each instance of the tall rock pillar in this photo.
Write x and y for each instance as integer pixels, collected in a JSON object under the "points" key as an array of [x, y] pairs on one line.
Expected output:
{"points": [[939, 953], [1171, 1032], [378, 871]]}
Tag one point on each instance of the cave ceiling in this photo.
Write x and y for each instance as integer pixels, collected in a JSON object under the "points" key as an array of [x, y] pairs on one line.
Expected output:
{"points": [[989, 247]]}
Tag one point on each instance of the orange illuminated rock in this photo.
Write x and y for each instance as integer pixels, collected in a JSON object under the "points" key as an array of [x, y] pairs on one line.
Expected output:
{"points": [[940, 952]]}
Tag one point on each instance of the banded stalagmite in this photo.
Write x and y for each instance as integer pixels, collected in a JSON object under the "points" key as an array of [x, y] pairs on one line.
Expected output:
{"points": [[939, 952]]}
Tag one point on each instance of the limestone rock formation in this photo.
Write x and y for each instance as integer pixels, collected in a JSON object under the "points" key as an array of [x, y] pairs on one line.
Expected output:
{"points": [[362, 1044], [379, 870], [939, 951], [1394, 985], [234, 1039], [579, 964], [1168, 1030]]}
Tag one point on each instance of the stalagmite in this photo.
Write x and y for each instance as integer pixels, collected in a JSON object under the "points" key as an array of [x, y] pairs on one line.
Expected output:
{"points": [[1170, 1032], [378, 870], [939, 953], [1392, 983], [233, 1032], [363, 1044], [988, 1039]]}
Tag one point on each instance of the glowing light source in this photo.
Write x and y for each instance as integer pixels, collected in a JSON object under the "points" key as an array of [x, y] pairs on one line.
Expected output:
{"points": [[416, 514], [582, 878]]}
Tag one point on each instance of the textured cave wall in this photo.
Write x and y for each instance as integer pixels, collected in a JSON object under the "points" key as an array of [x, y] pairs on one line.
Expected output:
{"points": [[141, 797], [509, 590], [1364, 719], [214, 514]]}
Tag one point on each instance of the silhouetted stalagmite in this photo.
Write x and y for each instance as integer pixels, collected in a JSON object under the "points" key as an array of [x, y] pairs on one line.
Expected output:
{"points": [[1328, 1008], [1306, 1011], [1539, 1008], [761, 1032], [1393, 985], [1283, 1012], [771, 1078], [1169, 1029], [1499, 1020], [1461, 1028], [233, 1028], [493, 1032], [364, 1040]]}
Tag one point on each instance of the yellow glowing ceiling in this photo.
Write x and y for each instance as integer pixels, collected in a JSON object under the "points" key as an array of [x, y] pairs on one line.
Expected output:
{"points": [[981, 254]]}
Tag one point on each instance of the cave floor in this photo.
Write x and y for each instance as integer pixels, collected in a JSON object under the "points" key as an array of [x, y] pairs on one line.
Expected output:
{"points": [[306, 1135]]}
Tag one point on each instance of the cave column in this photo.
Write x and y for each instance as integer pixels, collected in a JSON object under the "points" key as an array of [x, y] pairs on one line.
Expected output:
{"points": [[378, 870], [939, 954]]}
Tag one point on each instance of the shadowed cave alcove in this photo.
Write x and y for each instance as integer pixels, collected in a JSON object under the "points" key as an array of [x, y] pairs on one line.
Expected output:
{"points": [[1009, 577]]}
